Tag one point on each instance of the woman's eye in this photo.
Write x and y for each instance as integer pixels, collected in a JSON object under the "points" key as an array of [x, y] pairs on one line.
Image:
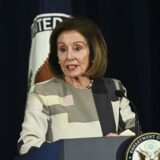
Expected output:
{"points": [[78, 48], [62, 49]]}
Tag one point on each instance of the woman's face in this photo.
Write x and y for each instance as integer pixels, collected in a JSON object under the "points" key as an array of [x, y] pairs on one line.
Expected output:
{"points": [[73, 53]]}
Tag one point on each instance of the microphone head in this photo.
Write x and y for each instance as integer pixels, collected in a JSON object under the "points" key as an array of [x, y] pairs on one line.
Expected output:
{"points": [[119, 93]]}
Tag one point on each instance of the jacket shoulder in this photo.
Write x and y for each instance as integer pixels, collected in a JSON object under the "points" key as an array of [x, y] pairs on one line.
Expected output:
{"points": [[113, 81], [48, 85]]}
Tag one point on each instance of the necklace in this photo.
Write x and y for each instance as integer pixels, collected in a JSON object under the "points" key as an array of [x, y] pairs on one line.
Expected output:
{"points": [[89, 85], [84, 88]]}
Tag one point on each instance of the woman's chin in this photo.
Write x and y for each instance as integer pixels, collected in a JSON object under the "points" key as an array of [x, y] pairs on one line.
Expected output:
{"points": [[73, 75]]}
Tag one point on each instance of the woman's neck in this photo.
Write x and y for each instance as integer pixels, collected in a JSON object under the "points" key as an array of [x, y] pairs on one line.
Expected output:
{"points": [[78, 82]]}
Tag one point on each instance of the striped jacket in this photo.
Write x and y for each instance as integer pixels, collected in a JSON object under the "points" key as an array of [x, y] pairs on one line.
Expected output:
{"points": [[56, 110]]}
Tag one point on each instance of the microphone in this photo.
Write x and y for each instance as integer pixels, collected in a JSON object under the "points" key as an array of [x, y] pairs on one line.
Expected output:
{"points": [[121, 94]]}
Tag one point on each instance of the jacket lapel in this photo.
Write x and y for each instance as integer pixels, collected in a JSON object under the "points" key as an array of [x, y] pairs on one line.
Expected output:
{"points": [[103, 106]]}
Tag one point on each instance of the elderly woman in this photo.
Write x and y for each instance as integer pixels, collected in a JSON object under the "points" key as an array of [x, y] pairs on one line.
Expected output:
{"points": [[78, 102]]}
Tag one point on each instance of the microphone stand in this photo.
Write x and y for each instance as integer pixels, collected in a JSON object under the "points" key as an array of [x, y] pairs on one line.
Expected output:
{"points": [[137, 124]]}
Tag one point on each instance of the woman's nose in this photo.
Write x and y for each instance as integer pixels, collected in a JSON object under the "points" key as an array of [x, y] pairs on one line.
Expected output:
{"points": [[70, 54]]}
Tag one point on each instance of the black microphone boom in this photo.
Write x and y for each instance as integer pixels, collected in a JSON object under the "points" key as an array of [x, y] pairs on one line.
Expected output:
{"points": [[121, 94]]}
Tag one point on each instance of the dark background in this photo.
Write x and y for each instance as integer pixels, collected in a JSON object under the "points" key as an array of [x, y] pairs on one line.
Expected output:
{"points": [[132, 32]]}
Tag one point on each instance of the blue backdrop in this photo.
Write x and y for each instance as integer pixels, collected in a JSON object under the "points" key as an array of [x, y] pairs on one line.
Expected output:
{"points": [[131, 30]]}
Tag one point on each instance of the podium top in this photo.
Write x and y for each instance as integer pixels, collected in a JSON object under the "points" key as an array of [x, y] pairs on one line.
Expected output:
{"points": [[110, 148]]}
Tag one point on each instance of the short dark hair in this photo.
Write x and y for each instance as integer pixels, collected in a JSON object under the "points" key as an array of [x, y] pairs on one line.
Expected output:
{"points": [[97, 46]]}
